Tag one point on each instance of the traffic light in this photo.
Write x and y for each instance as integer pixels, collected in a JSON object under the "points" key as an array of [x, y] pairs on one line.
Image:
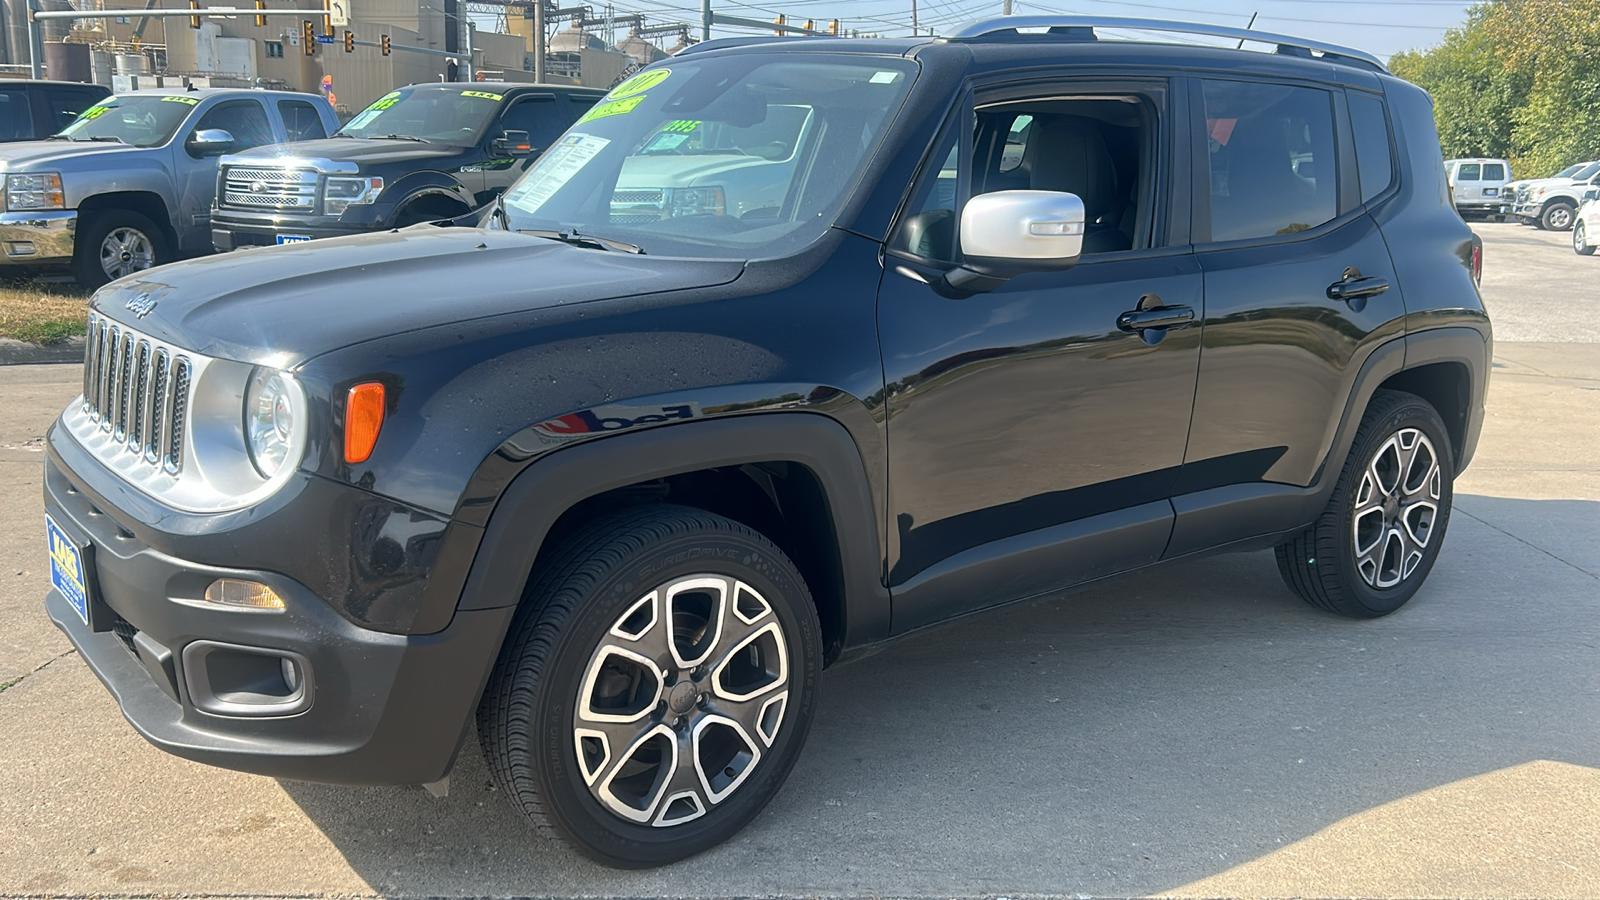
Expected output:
{"points": [[383, 41], [194, 21], [308, 36], [833, 27], [780, 21], [261, 20], [349, 42]]}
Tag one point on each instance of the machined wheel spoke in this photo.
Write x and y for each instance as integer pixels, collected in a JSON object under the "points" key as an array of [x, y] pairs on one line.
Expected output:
{"points": [[1396, 504], [682, 698]]}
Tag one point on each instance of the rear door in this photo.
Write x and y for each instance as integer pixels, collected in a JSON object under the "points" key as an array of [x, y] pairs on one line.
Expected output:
{"points": [[1468, 181], [1299, 288]]}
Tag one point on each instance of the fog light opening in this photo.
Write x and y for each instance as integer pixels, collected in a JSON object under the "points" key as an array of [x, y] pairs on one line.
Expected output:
{"points": [[237, 593]]}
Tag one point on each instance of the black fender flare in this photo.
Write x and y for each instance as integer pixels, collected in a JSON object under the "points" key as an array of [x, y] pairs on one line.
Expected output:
{"points": [[427, 183], [533, 501]]}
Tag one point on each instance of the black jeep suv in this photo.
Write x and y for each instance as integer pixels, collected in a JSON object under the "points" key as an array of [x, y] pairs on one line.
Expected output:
{"points": [[417, 154], [789, 347]]}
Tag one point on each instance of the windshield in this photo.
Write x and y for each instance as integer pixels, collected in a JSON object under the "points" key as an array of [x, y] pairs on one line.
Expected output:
{"points": [[451, 116], [143, 120], [1586, 171], [734, 157], [1567, 171]]}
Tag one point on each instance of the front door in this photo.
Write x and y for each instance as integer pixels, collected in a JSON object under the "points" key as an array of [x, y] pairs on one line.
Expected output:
{"points": [[196, 174], [1034, 432]]}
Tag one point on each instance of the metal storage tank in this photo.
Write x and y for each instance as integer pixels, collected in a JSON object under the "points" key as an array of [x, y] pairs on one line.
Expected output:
{"points": [[67, 62], [132, 64]]}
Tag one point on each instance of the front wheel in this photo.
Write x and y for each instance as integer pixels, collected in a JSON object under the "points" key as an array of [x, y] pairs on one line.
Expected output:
{"points": [[115, 243], [1378, 538], [1580, 240], [657, 686], [1556, 217]]}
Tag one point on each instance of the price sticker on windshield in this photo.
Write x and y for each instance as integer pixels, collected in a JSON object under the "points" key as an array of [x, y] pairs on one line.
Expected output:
{"points": [[639, 83], [483, 94], [189, 100], [612, 108], [95, 112]]}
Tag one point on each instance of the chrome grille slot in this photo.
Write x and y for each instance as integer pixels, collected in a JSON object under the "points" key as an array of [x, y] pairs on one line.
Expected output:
{"points": [[136, 388], [260, 188]]}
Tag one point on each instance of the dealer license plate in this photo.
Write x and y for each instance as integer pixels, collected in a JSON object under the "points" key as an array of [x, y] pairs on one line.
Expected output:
{"points": [[67, 573], [293, 238]]}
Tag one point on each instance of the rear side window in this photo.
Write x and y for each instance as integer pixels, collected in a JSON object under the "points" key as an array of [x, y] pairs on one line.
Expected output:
{"points": [[1494, 172], [301, 121], [1373, 160], [16, 116], [1274, 169], [1468, 172]]}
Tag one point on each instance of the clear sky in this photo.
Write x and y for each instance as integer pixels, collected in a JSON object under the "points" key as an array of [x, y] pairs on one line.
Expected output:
{"points": [[1380, 27]]}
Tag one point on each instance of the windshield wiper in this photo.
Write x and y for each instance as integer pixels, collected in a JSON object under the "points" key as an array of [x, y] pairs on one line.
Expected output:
{"points": [[104, 139], [401, 137], [571, 236]]}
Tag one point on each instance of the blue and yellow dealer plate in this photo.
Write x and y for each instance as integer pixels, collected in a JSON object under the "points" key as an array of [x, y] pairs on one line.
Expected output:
{"points": [[66, 568]]}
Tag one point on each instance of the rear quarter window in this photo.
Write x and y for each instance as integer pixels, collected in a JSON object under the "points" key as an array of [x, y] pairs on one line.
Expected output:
{"points": [[1374, 160]]}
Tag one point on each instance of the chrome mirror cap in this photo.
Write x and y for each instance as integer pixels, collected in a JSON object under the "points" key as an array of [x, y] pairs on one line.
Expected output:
{"points": [[1042, 229]]}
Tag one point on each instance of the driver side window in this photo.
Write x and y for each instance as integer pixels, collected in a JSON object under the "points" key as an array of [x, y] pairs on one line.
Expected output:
{"points": [[246, 120]]}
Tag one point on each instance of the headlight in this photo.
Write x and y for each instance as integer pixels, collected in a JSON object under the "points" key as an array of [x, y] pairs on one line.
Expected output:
{"points": [[342, 193], [41, 191], [272, 410], [697, 201]]}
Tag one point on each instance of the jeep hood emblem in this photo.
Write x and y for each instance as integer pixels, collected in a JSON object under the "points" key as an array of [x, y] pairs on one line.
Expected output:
{"points": [[141, 304]]}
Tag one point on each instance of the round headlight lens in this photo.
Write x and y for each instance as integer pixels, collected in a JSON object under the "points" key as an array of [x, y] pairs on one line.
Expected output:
{"points": [[269, 420]]}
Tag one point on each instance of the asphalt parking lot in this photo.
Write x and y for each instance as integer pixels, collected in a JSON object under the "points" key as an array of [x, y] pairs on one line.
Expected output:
{"points": [[1193, 730]]}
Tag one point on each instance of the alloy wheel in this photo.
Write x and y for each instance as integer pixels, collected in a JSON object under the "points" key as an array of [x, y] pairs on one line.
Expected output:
{"points": [[681, 700], [1396, 505], [126, 251], [1559, 218]]}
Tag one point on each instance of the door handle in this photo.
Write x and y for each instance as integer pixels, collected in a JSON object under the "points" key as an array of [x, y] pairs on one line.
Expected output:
{"points": [[1162, 317], [1357, 288]]}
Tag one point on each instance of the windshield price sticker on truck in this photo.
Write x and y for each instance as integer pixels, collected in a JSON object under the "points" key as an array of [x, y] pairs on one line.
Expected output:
{"points": [[189, 100], [612, 108], [555, 169], [484, 95], [639, 83], [95, 112]]}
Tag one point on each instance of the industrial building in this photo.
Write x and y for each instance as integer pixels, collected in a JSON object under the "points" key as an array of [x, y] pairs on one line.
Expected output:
{"points": [[488, 39]]}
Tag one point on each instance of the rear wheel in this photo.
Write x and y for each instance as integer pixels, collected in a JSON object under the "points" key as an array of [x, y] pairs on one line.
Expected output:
{"points": [[115, 243], [1580, 240], [1380, 534], [656, 688]]}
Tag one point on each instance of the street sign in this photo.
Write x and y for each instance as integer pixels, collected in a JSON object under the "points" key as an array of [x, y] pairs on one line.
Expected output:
{"points": [[324, 38], [339, 10]]}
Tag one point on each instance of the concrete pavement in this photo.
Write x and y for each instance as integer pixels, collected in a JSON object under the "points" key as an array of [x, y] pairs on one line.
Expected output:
{"points": [[1189, 731]]}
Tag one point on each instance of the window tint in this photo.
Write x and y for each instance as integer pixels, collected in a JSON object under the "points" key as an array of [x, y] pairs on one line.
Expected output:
{"points": [[1273, 165], [66, 105], [301, 121], [929, 229], [1016, 142], [537, 116], [246, 120], [16, 116], [1372, 144], [1494, 172], [1468, 172]]}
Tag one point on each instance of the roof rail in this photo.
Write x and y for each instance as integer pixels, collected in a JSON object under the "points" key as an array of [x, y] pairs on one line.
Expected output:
{"points": [[986, 27]]}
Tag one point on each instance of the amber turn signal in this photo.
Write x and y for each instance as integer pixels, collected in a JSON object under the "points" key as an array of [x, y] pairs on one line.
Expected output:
{"points": [[363, 419]]}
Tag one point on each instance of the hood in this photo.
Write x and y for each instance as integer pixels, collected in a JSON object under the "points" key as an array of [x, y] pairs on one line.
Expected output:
{"points": [[31, 156], [1537, 183], [283, 305], [356, 150]]}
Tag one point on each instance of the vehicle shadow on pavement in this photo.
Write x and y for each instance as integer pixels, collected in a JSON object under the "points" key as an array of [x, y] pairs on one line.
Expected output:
{"points": [[1134, 737]]}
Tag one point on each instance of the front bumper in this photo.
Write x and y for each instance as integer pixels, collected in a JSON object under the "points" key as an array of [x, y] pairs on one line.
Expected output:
{"points": [[233, 229], [379, 708], [38, 238]]}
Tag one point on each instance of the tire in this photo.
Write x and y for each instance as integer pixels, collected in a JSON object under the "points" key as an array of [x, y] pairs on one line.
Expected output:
{"points": [[114, 243], [1580, 240], [1359, 559], [605, 618], [1557, 217]]}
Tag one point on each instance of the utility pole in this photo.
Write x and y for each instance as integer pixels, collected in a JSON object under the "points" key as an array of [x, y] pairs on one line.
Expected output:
{"points": [[1005, 8], [914, 31], [705, 20], [538, 41]]}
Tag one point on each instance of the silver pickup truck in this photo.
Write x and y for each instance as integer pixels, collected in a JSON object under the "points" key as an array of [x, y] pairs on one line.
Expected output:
{"points": [[129, 184]]}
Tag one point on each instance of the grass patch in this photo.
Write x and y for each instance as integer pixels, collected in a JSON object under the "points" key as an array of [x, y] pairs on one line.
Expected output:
{"points": [[41, 313]]}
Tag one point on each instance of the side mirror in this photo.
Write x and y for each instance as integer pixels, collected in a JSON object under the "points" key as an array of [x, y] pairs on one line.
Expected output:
{"points": [[1592, 194], [210, 142], [513, 143], [1007, 233]]}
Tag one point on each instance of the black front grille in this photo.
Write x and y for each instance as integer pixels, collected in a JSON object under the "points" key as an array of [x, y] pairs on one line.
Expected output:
{"points": [[125, 632]]}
